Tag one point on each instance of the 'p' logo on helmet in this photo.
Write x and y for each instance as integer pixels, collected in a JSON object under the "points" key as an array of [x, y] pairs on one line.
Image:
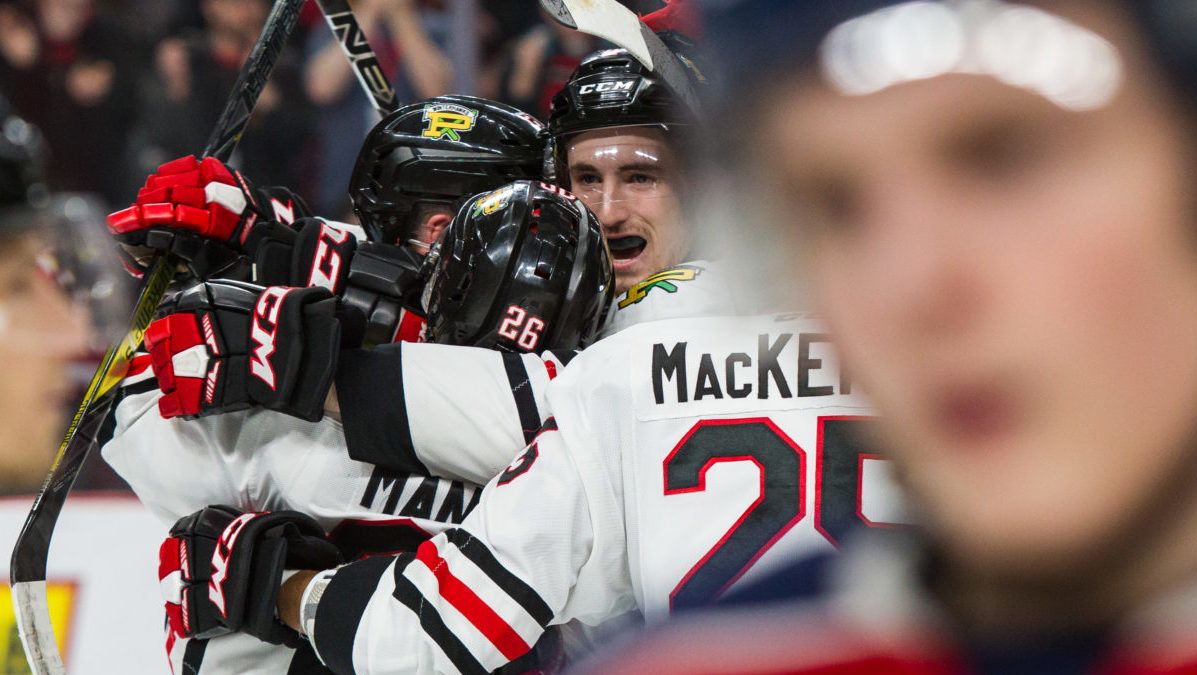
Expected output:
{"points": [[448, 120]]}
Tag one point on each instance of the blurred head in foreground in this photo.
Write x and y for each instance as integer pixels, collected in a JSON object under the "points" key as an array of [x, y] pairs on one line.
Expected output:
{"points": [[41, 330], [995, 207]]}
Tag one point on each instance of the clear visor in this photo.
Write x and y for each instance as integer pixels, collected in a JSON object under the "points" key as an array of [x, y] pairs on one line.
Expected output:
{"points": [[624, 166], [432, 262], [1019, 45]]}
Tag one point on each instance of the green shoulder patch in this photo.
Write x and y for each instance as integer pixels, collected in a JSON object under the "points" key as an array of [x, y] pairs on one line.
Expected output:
{"points": [[665, 280]]}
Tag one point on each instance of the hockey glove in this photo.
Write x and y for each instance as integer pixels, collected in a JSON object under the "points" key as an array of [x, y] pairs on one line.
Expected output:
{"points": [[314, 253], [224, 346], [220, 570], [200, 211], [378, 283]]}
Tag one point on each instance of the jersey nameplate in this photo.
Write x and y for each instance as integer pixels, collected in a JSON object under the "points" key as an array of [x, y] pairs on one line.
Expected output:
{"points": [[779, 370]]}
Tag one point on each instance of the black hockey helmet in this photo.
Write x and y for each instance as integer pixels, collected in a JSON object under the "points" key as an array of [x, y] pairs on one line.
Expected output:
{"points": [[438, 152], [609, 89], [524, 268]]}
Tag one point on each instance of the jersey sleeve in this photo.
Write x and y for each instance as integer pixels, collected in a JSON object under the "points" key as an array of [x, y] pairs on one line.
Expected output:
{"points": [[546, 545], [455, 412], [177, 466]]}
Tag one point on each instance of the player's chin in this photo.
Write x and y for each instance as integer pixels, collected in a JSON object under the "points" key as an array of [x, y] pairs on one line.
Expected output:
{"points": [[1014, 520], [629, 274]]}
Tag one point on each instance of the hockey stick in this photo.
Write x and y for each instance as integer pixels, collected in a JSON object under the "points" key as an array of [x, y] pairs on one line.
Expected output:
{"points": [[611, 21], [361, 57], [28, 573]]}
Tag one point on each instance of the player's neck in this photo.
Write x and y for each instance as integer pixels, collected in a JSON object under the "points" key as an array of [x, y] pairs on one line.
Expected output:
{"points": [[1143, 567]]}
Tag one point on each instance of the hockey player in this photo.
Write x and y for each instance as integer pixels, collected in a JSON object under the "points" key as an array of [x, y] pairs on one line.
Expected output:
{"points": [[617, 136], [989, 231], [547, 284], [683, 458], [41, 329]]}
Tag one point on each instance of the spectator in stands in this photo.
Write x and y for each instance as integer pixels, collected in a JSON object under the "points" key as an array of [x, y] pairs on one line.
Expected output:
{"points": [[195, 74], [539, 63], [63, 64], [408, 41]]}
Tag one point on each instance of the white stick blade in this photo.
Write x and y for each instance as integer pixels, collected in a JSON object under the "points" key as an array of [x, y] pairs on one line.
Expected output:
{"points": [[614, 23], [37, 633]]}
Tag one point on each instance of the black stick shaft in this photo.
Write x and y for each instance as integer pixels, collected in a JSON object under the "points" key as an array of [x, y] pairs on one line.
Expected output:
{"points": [[361, 56], [254, 74]]}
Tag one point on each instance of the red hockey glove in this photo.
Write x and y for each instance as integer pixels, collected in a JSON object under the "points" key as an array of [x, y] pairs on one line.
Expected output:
{"points": [[226, 346], [220, 570], [199, 210]]}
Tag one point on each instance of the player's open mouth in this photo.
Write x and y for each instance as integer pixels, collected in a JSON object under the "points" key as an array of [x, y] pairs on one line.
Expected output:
{"points": [[626, 248]]}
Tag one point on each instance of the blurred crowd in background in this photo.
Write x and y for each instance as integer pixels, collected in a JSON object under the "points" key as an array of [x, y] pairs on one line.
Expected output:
{"points": [[120, 86]]}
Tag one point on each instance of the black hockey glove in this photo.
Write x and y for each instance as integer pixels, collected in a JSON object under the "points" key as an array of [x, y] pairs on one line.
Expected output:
{"points": [[377, 282], [314, 252], [203, 212], [220, 570], [226, 345]]}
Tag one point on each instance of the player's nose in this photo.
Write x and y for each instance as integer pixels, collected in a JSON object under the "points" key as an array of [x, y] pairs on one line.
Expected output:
{"points": [[916, 260], [612, 212]]}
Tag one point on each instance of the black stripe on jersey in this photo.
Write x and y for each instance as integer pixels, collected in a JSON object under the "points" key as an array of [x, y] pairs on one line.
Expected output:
{"points": [[521, 391], [432, 623], [193, 656], [305, 662], [512, 585], [374, 410], [139, 387], [108, 426], [564, 355], [340, 610], [357, 539]]}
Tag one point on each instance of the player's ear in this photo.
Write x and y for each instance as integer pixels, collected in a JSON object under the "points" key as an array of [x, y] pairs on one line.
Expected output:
{"points": [[436, 224]]}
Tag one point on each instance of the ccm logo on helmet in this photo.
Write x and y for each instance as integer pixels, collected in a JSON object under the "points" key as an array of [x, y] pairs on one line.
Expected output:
{"points": [[220, 561], [266, 312], [602, 87]]}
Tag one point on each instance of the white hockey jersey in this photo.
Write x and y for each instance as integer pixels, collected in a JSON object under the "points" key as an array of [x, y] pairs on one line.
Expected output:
{"points": [[263, 460], [682, 458], [409, 411], [689, 290]]}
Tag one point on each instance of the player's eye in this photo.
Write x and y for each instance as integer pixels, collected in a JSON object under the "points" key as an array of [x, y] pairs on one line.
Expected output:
{"points": [[1001, 152], [590, 179], [831, 207], [642, 179]]}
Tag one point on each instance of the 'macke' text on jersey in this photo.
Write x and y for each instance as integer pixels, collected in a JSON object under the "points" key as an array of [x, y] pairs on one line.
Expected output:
{"points": [[697, 376]]}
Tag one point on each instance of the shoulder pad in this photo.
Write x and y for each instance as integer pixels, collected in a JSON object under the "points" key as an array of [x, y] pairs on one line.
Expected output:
{"points": [[692, 289]]}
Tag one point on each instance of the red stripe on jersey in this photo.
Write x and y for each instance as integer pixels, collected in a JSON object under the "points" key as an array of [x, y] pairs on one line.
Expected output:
{"points": [[472, 607], [138, 365], [551, 367], [411, 328]]}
